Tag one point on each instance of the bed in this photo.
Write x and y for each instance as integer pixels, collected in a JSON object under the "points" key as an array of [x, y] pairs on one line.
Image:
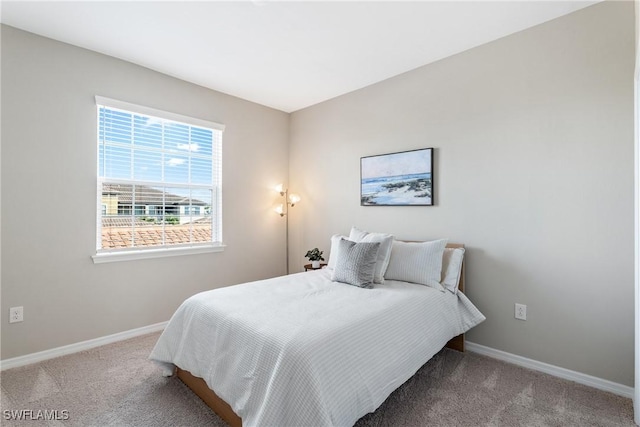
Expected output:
{"points": [[304, 349]]}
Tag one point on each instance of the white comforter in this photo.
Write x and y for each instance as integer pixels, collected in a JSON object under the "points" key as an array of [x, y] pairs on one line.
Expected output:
{"points": [[300, 350]]}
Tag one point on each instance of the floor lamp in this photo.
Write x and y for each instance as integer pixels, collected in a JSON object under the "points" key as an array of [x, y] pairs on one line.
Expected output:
{"points": [[283, 210]]}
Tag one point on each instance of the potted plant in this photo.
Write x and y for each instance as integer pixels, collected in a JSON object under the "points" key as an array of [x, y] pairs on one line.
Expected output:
{"points": [[315, 256]]}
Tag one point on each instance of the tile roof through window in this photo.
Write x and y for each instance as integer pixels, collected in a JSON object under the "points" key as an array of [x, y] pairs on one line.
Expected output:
{"points": [[151, 235]]}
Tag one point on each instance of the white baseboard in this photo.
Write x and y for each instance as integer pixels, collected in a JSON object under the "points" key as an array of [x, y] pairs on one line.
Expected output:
{"points": [[580, 378], [80, 346]]}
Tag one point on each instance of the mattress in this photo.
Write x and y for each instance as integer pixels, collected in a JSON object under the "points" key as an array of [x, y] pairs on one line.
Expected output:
{"points": [[301, 350]]}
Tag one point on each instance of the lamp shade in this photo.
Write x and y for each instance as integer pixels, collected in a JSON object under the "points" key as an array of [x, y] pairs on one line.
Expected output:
{"points": [[293, 199]]}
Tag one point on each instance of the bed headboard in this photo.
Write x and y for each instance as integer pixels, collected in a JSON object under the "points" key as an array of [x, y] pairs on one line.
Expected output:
{"points": [[457, 343]]}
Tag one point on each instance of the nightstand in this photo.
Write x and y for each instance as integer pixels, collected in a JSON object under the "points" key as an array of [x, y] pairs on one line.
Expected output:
{"points": [[308, 267]]}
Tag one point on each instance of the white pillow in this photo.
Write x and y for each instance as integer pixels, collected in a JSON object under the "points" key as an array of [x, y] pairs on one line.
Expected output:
{"points": [[419, 262], [357, 234], [452, 268], [333, 254], [384, 253]]}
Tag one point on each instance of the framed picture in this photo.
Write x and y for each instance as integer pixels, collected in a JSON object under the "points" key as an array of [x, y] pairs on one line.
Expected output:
{"points": [[397, 179]]}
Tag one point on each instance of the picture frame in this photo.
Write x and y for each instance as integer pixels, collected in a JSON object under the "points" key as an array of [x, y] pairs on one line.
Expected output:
{"points": [[403, 178]]}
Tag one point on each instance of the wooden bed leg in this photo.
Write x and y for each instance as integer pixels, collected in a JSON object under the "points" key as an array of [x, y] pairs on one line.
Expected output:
{"points": [[456, 343], [202, 390]]}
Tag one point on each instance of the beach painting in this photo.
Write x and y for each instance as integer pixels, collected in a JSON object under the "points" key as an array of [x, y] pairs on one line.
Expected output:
{"points": [[397, 179]]}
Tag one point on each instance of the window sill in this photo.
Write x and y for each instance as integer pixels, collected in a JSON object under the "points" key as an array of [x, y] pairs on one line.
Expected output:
{"points": [[104, 257]]}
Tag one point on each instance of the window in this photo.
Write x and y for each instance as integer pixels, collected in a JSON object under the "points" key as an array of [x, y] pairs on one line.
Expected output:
{"points": [[156, 172], [193, 210]]}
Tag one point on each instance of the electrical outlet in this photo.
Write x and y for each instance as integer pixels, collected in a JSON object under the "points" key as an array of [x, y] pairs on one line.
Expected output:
{"points": [[16, 314], [521, 311]]}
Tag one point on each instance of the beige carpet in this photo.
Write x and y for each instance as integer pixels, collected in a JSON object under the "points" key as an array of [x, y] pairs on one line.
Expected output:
{"points": [[116, 385]]}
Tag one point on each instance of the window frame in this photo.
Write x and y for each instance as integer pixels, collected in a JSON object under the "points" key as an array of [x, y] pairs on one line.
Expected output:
{"points": [[135, 253]]}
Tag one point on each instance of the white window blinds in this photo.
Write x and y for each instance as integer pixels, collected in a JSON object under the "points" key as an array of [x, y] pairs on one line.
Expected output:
{"points": [[159, 179]]}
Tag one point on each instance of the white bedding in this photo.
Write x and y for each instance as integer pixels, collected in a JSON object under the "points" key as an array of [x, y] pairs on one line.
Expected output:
{"points": [[300, 350]]}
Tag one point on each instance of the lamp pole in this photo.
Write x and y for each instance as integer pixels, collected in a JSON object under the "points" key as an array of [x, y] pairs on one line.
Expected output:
{"points": [[289, 200], [286, 198]]}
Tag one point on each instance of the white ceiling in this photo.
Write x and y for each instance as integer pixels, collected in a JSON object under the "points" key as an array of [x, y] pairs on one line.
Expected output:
{"points": [[286, 55]]}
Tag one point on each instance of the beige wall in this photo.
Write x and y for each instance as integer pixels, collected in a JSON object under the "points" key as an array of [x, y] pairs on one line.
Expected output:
{"points": [[49, 156], [533, 138]]}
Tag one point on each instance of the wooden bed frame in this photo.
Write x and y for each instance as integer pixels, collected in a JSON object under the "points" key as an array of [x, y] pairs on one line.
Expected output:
{"points": [[224, 410]]}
